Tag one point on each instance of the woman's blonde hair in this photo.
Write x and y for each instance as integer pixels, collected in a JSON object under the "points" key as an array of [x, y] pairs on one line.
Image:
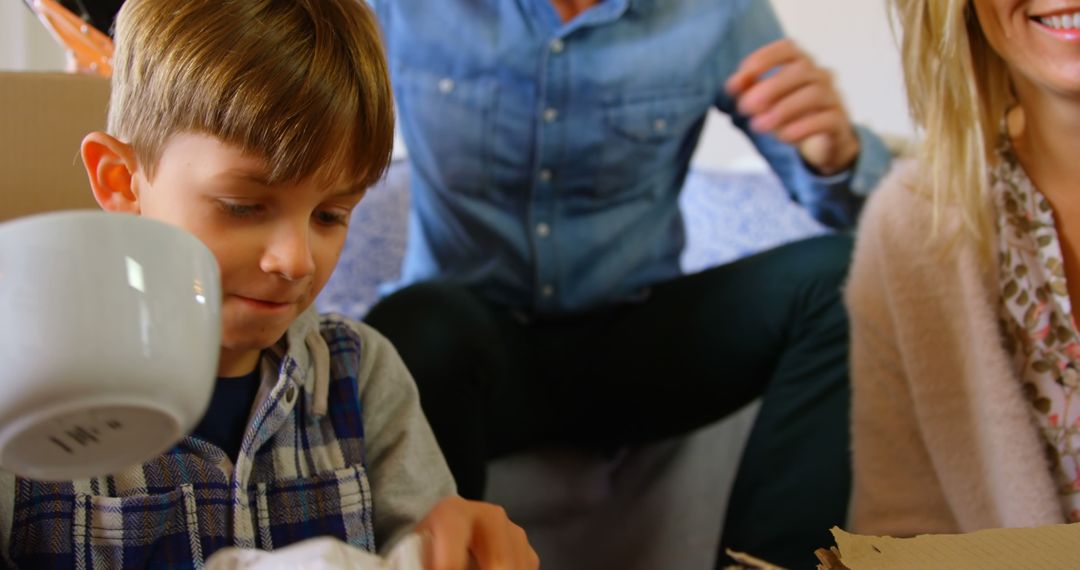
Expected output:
{"points": [[302, 84], [958, 92]]}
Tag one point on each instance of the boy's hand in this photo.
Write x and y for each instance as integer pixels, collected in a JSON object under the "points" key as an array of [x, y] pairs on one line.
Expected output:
{"points": [[461, 529], [797, 104]]}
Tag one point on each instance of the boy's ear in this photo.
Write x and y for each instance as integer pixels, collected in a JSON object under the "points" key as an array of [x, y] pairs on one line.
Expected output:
{"points": [[111, 165]]}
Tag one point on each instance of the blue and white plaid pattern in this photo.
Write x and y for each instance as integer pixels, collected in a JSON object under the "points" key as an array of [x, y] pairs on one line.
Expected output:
{"points": [[300, 474]]}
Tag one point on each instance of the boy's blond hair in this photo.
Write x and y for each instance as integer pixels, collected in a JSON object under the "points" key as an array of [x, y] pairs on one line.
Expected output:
{"points": [[958, 91], [302, 84]]}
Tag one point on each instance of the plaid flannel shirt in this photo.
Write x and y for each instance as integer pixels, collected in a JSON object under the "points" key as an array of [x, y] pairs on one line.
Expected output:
{"points": [[300, 474]]}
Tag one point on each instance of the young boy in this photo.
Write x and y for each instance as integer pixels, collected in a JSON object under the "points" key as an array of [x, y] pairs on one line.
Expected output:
{"points": [[257, 125]]}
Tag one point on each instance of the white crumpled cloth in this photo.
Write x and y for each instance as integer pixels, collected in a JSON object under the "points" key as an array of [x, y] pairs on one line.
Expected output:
{"points": [[324, 553]]}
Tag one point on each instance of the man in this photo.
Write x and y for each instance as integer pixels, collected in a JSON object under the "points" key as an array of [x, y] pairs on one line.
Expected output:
{"points": [[549, 141]]}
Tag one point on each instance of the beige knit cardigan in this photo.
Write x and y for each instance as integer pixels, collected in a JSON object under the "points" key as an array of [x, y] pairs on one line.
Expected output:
{"points": [[943, 439]]}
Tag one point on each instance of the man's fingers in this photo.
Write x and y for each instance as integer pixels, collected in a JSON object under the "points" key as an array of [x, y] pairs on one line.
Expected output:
{"points": [[823, 122], [783, 92], [777, 53], [787, 80], [807, 100]]}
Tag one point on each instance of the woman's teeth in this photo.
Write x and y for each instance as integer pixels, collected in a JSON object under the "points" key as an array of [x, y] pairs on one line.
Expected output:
{"points": [[1062, 21]]}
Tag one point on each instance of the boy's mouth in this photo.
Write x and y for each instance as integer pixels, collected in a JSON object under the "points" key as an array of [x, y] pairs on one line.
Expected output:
{"points": [[264, 303]]}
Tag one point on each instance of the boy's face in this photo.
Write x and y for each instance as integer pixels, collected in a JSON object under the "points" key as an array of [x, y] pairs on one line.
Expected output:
{"points": [[276, 245]]}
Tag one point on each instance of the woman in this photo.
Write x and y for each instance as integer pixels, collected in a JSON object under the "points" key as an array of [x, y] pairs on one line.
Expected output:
{"points": [[965, 350]]}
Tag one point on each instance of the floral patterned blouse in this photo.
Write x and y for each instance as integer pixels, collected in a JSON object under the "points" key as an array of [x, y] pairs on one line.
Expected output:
{"points": [[1037, 319]]}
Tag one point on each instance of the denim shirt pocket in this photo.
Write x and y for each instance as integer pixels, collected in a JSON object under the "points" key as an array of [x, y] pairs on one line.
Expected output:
{"points": [[140, 531], [646, 133], [451, 118]]}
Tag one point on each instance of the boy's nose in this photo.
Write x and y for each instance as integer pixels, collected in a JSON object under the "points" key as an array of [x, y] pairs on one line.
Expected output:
{"points": [[289, 253]]}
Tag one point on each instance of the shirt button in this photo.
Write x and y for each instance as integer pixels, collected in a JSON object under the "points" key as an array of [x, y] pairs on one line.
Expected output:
{"points": [[550, 114], [547, 291], [446, 85], [660, 125], [290, 394], [557, 45], [545, 175], [543, 230]]}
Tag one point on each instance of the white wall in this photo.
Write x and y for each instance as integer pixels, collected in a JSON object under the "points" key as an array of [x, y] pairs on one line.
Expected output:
{"points": [[24, 43], [851, 37]]}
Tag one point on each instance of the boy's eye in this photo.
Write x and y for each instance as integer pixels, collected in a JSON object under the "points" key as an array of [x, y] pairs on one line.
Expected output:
{"points": [[332, 217], [239, 210]]}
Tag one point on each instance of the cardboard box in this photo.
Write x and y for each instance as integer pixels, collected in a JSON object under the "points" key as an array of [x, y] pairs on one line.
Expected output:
{"points": [[1054, 547], [43, 118]]}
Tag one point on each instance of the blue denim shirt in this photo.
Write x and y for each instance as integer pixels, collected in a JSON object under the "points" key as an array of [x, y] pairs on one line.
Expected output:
{"points": [[547, 157]]}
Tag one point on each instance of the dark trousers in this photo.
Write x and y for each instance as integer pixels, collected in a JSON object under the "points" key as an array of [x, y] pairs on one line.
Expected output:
{"points": [[699, 348]]}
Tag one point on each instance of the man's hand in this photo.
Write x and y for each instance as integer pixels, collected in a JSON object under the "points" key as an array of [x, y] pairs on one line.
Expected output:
{"points": [[798, 104], [462, 529]]}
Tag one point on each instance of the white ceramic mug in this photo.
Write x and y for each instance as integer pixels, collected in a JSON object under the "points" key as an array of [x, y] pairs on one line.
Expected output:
{"points": [[110, 331]]}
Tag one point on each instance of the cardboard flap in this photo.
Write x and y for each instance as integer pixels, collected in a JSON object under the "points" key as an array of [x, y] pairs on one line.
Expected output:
{"points": [[1046, 548]]}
